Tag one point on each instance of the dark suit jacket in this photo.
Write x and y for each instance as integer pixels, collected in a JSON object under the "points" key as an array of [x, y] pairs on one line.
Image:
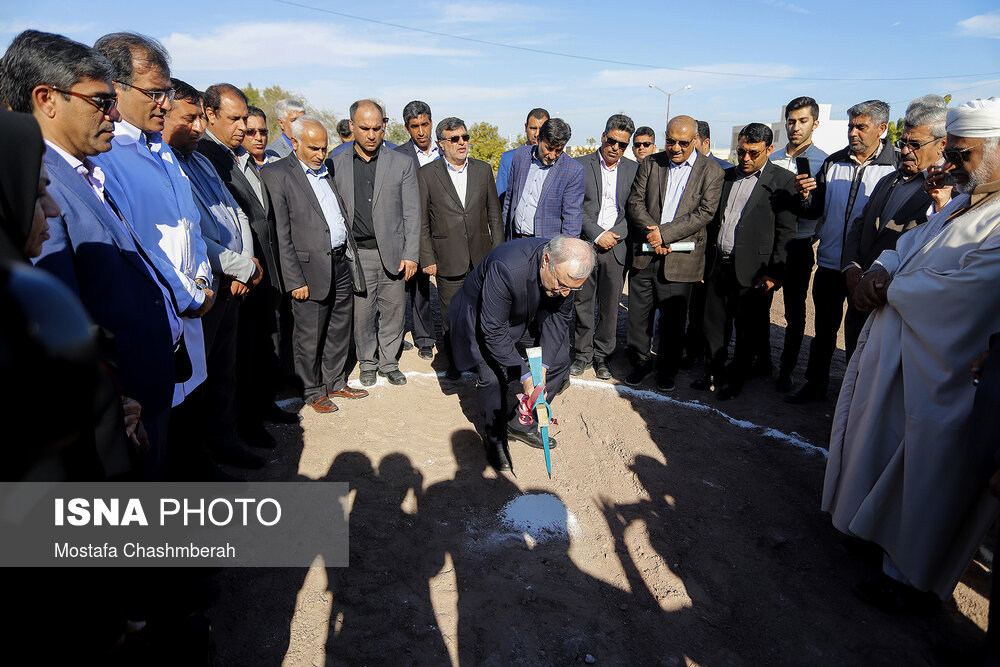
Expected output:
{"points": [[303, 232], [501, 300], [395, 203], [98, 259], [870, 234], [409, 149], [765, 227], [694, 212], [457, 236], [594, 181], [559, 205], [265, 241]]}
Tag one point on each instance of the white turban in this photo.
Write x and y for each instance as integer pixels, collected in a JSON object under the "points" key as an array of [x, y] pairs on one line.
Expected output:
{"points": [[974, 119]]}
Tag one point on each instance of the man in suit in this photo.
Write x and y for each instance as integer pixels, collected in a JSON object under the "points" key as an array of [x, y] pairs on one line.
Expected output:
{"points": [[608, 181], [515, 298], [318, 262], [257, 372], [347, 142], [643, 143], [255, 139], [460, 216], [898, 203], [422, 150], [382, 198], [750, 233], [285, 113], [532, 125], [546, 188], [673, 198], [91, 248]]}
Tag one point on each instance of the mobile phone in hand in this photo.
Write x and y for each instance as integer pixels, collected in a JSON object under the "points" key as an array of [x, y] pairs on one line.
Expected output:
{"points": [[802, 166]]}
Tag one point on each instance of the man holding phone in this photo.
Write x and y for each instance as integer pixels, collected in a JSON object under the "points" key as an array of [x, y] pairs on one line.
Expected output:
{"points": [[799, 156]]}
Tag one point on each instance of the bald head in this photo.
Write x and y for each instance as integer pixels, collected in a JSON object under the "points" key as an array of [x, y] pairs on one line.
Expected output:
{"points": [[368, 127], [680, 143], [309, 140]]}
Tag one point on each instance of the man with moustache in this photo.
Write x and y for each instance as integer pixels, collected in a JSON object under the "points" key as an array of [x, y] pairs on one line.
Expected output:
{"points": [[836, 197], [532, 125], [319, 264], [801, 120], [255, 139], [226, 112], [285, 113], [225, 230], [898, 203], [673, 198], [382, 201], [751, 230], [643, 143], [903, 472], [149, 188], [608, 182], [421, 149], [347, 142], [460, 217]]}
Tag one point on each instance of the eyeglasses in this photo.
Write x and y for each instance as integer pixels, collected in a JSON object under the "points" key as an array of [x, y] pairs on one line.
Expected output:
{"points": [[103, 103], [159, 97], [740, 152], [959, 155], [682, 144], [621, 144], [456, 138], [642, 144], [913, 145], [559, 286], [251, 133]]}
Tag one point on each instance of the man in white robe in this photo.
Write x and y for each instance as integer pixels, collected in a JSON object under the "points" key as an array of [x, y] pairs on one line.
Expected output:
{"points": [[901, 472]]}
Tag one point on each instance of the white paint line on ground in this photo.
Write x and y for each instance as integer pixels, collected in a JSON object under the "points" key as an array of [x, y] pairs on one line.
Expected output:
{"points": [[650, 395]]}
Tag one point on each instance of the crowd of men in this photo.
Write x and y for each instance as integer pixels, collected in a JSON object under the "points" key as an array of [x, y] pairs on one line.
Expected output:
{"points": [[207, 253]]}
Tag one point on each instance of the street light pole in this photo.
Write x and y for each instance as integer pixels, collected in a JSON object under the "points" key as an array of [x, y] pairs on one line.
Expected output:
{"points": [[669, 95]]}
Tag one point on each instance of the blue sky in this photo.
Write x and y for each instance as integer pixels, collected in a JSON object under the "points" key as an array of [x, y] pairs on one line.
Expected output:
{"points": [[333, 59]]}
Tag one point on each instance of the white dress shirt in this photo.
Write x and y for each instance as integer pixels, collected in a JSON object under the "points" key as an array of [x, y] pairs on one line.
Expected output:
{"points": [[524, 214], [609, 194], [428, 157], [328, 202], [677, 178], [459, 178]]}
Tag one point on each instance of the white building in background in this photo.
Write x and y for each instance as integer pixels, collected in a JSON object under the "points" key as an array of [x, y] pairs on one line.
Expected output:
{"points": [[830, 136]]}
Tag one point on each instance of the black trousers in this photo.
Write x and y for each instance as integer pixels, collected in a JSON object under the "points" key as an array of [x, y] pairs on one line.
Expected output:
{"points": [[795, 290], [418, 292], [601, 292], [649, 291], [694, 338], [829, 293], [322, 334], [728, 303], [494, 389], [257, 369]]}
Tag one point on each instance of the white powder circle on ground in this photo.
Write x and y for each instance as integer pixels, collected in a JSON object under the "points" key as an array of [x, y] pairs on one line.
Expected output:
{"points": [[541, 516]]}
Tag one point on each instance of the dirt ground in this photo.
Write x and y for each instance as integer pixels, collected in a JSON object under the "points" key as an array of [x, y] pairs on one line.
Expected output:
{"points": [[679, 530]]}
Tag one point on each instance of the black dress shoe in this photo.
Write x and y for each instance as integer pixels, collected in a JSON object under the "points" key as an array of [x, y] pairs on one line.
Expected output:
{"points": [[239, 457], [394, 377], [602, 370], [807, 394], [783, 384], [665, 382], [730, 391], [636, 375], [274, 414], [530, 438], [704, 383], [895, 597], [368, 378], [426, 352], [497, 455], [577, 367], [407, 345], [453, 373]]}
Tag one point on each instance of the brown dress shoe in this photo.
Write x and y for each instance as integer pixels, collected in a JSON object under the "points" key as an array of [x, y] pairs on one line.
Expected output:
{"points": [[323, 404], [348, 392]]}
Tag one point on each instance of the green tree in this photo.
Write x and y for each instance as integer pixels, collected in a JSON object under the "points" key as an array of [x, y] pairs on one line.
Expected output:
{"points": [[396, 132], [266, 99], [486, 144]]}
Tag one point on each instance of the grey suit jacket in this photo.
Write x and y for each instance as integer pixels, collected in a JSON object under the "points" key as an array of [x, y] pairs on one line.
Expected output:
{"points": [[395, 204], [278, 148], [626, 171], [457, 236], [694, 211], [303, 231]]}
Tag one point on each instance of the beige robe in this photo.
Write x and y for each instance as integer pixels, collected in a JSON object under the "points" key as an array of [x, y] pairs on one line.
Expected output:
{"points": [[901, 471]]}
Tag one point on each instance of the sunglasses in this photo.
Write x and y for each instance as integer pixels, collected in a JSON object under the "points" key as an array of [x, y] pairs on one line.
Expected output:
{"points": [[252, 133], [675, 142], [159, 97], [458, 137], [643, 144], [621, 144], [740, 152], [912, 145], [103, 103], [959, 155]]}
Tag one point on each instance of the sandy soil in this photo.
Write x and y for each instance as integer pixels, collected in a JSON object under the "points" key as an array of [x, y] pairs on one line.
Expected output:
{"points": [[677, 530]]}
